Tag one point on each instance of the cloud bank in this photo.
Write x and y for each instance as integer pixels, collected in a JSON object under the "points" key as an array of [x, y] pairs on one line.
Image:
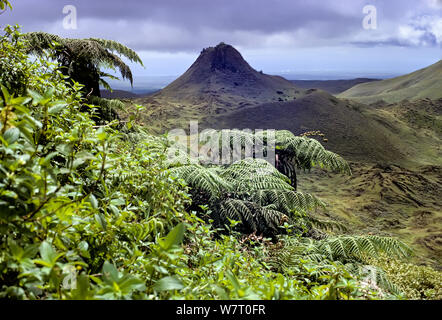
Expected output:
{"points": [[189, 25]]}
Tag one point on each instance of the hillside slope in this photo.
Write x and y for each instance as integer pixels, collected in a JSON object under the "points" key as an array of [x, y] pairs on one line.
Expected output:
{"points": [[331, 86], [423, 83], [357, 132], [385, 199], [118, 94]]}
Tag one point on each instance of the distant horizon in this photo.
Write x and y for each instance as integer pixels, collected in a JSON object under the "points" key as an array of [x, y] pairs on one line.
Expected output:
{"points": [[148, 83], [325, 39]]}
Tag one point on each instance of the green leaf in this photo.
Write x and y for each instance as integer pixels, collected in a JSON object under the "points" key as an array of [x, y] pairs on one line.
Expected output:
{"points": [[233, 280], [168, 283], [82, 292], [56, 107], [83, 247], [17, 251], [11, 135], [5, 94], [114, 209], [30, 251], [101, 134], [36, 97], [20, 100], [174, 238], [64, 149], [49, 93], [110, 272], [101, 220], [93, 201], [131, 283], [47, 252]]}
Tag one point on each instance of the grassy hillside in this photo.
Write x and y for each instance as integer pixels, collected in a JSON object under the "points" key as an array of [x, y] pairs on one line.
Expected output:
{"points": [[331, 86], [424, 83], [387, 200], [357, 132], [118, 94]]}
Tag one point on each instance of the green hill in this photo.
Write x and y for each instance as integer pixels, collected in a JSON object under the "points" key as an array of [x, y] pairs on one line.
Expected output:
{"points": [[331, 86], [423, 83], [360, 133]]}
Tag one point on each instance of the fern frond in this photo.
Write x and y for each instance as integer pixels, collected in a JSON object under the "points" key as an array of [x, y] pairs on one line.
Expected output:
{"points": [[307, 152], [249, 168], [119, 49], [177, 157], [201, 179], [373, 277], [105, 85], [253, 217], [357, 247], [325, 224], [98, 52], [106, 103], [287, 200]]}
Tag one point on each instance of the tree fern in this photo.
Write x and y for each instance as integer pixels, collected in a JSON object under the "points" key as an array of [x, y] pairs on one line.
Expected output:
{"points": [[250, 190], [373, 278], [82, 59], [260, 190], [292, 152]]}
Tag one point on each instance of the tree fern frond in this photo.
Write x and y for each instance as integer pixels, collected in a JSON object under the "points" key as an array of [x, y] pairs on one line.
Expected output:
{"points": [[325, 224], [119, 49], [177, 157], [307, 152], [348, 248], [286, 200], [106, 103], [249, 168], [253, 217], [373, 277], [258, 182], [105, 84], [356, 247], [40, 41], [93, 52], [202, 179]]}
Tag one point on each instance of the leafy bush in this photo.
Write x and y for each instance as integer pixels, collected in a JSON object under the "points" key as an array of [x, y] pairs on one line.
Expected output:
{"points": [[417, 282], [72, 195]]}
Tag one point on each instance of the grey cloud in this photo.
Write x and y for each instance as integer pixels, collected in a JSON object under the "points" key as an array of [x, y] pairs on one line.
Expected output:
{"points": [[188, 25]]}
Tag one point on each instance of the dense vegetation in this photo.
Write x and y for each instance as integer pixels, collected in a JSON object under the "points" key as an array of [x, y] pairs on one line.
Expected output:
{"points": [[93, 209]]}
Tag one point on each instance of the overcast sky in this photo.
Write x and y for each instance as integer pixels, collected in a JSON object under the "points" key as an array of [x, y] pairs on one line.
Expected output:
{"points": [[307, 38]]}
